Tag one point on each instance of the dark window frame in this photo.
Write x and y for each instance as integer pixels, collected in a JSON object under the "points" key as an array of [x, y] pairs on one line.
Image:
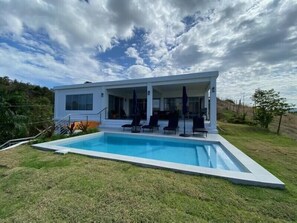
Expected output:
{"points": [[79, 102]]}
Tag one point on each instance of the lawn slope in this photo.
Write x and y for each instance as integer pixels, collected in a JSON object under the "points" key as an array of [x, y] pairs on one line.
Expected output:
{"points": [[40, 186]]}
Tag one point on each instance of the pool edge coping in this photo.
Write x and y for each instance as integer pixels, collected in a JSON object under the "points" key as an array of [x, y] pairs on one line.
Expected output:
{"points": [[258, 175]]}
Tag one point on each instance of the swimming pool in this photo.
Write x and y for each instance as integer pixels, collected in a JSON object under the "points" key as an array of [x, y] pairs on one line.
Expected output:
{"points": [[189, 152], [190, 155]]}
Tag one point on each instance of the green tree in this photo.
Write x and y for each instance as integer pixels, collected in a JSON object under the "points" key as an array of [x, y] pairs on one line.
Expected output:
{"points": [[267, 105], [12, 124], [282, 108], [25, 109]]}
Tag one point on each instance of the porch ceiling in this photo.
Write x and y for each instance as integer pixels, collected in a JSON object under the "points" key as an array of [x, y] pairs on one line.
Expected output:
{"points": [[127, 91], [189, 86], [174, 89], [161, 88]]}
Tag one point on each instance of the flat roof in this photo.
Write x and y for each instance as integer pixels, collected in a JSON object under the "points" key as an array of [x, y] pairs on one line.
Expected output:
{"points": [[180, 77]]}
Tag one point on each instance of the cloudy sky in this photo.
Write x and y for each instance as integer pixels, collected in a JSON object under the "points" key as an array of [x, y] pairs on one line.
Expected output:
{"points": [[253, 44]]}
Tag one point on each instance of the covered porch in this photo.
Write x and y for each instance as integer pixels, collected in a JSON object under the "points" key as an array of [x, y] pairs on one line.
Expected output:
{"points": [[161, 96]]}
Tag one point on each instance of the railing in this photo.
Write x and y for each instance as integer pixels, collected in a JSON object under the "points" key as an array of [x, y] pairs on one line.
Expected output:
{"points": [[55, 125], [15, 141], [98, 113], [60, 127]]}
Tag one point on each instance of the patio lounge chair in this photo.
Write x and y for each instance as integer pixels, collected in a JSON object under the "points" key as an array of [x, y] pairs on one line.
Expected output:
{"points": [[198, 125], [135, 122], [172, 124], [153, 123]]}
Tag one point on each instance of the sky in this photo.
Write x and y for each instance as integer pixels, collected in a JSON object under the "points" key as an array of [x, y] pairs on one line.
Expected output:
{"points": [[253, 44]]}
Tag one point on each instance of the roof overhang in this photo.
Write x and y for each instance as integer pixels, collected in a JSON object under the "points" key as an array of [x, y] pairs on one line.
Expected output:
{"points": [[203, 77]]}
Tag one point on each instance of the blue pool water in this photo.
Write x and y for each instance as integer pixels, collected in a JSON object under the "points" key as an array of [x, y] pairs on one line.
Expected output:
{"points": [[190, 152]]}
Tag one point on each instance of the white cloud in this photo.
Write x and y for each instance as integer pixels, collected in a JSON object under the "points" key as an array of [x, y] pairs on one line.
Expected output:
{"points": [[132, 52], [40, 68], [252, 43], [12, 24], [138, 71]]}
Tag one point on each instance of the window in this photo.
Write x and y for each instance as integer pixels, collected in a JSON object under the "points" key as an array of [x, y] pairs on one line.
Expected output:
{"points": [[172, 104], [79, 102], [116, 107], [195, 105], [156, 104], [141, 106]]}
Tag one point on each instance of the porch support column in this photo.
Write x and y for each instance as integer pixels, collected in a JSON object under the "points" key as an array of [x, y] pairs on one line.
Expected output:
{"points": [[213, 106], [104, 103], [149, 101], [206, 104]]}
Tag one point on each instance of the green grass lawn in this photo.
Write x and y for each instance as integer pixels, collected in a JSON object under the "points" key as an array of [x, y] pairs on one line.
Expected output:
{"points": [[40, 186]]}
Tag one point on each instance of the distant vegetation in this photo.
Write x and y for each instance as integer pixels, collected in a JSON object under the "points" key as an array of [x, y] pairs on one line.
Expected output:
{"points": [[25, 109], [280, 120], [267, 105], [233, 112]]}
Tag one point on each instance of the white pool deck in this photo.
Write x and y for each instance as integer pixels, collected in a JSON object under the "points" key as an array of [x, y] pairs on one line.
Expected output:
{"points": [[256, 175]]}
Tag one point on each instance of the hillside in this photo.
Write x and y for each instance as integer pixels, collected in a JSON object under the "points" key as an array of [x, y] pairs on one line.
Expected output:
{"points": [[288, 127], [228, 111], [25, 109]]}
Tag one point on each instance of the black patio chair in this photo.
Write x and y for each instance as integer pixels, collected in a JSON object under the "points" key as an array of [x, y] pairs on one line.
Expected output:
{"points": [[172, 124], [153, 123], [135, 122], [198, 125]]}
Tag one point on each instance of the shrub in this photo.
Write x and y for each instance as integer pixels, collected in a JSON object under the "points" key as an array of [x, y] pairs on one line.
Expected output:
{"points": [[83, 126], [71, 128]]}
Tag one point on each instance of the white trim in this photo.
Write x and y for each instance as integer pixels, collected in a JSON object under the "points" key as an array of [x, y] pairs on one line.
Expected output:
{"points": [[256, 174], [213, 105], [204, 76], [15, 145], [149, 101]]}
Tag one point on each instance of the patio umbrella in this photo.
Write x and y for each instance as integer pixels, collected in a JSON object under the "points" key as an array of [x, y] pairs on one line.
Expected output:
{"points": [[134, 111], [134, 104], [185, 110], [185, 101]]}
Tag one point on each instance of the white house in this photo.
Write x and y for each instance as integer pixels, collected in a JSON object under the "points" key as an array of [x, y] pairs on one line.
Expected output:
{"points": [[111, 102]]}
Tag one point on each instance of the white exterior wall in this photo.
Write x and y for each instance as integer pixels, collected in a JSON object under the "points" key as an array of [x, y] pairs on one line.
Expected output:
{"points": [[60, 103], [213, 105], [171, 86]]}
